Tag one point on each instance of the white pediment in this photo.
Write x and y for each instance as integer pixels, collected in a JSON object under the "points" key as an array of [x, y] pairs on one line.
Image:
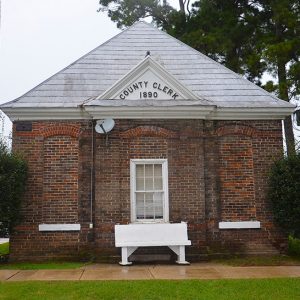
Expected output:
{"points": [[148, 80]]}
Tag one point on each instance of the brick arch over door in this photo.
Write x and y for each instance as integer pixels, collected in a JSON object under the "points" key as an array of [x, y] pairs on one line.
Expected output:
{"points": [[60, 177]]}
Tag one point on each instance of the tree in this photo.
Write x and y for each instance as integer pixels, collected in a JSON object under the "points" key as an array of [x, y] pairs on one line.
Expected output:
{"points": [[126, 12], [280, 22], [284, 193], [13, 174], [227, 32]]}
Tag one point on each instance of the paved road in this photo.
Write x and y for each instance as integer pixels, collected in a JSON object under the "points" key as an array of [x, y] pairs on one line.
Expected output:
{"points": [[148, 272]]}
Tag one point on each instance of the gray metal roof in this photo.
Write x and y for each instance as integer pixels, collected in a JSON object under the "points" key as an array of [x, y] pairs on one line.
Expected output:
{"points": [[97, 71]]}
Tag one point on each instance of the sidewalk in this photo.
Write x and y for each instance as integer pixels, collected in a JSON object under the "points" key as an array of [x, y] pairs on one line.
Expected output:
{"points": [[148, 272]]}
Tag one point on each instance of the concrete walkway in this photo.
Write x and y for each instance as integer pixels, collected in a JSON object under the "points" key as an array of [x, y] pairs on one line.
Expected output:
{"points": [[148, 272]]}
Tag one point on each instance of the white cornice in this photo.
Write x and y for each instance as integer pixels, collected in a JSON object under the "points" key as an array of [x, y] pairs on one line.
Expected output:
{"points": [[241, 113], [175, 112], [35, 114], [151, 112]]}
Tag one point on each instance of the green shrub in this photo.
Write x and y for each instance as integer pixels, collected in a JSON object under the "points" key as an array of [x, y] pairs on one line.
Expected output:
{"points": [[4, 249], [13, 174], [284, 193], [294, 246]]}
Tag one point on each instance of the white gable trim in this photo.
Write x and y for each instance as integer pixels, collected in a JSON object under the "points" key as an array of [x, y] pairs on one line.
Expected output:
{"points": [[148, 64]]}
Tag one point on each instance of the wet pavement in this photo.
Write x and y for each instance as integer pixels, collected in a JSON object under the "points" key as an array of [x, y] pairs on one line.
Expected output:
{"points": [[150, 272]]}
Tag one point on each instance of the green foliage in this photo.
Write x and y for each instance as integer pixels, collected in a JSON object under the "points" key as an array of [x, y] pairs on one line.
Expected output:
{"points": [[227, 32], [284, 193], [281, 43], [13, 173], [294, 246], [4, 249], [126, 12]]}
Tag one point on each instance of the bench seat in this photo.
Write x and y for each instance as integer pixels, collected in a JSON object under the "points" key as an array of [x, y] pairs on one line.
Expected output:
{"points": [[130, 237]]}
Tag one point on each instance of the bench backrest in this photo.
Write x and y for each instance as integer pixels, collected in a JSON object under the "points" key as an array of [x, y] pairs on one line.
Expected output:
{"points": [[151, 234]]}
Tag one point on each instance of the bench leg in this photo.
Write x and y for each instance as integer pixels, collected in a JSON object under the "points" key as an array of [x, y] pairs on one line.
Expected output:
{"points": [[180, 251], [126, 252]]}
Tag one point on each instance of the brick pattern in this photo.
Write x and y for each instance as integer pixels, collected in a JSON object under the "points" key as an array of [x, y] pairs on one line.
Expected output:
{"points": [[217, 172], [236, 178], [60, 186]]}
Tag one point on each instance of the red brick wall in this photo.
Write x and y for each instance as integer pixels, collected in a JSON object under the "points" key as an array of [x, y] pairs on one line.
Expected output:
{"points": [[236, 178], [60, 186], [266, 140], [217, 172]]}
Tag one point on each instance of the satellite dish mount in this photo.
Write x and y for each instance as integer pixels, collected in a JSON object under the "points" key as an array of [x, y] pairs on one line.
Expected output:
{"points": [[104, 127]]}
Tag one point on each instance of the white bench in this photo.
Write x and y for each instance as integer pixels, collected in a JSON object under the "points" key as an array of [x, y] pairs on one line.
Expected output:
{"points": [[132, 236]]}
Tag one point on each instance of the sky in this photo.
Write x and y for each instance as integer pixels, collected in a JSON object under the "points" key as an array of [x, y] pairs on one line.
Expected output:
{"points": [[40, 37]]}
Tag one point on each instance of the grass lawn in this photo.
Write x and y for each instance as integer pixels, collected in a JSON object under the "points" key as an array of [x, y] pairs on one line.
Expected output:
{"points": [[275, 260], [4, 248], [287, 288], [41, 266]]}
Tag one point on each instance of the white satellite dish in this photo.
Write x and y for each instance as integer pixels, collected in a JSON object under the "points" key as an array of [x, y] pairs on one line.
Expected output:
{"points": [[104, 126]]}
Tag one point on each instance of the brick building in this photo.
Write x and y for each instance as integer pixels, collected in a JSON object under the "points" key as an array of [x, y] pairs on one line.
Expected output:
{"points": [[192, 141]]}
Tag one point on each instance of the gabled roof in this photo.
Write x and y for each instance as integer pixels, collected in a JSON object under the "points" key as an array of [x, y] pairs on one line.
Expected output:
{"points": [[95, 73]]}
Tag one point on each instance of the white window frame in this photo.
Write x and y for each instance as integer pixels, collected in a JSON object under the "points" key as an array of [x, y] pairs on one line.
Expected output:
{"points": [[164, 163]]}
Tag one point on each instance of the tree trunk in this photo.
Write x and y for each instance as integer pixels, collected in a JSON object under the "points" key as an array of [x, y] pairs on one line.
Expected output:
{"points": [[181, 5]]}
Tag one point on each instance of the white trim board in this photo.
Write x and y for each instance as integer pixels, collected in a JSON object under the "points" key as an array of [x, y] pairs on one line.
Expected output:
{"points": [[208, 112], [239, 225], [59, 227]]}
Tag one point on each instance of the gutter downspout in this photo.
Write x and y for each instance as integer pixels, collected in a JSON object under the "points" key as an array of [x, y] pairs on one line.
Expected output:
{"points": [[92, 184], [92, 181]]}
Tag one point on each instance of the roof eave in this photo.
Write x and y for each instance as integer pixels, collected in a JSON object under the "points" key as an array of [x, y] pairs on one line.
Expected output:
{"points": [[45, 113], [252, 113], [149, 112]]}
